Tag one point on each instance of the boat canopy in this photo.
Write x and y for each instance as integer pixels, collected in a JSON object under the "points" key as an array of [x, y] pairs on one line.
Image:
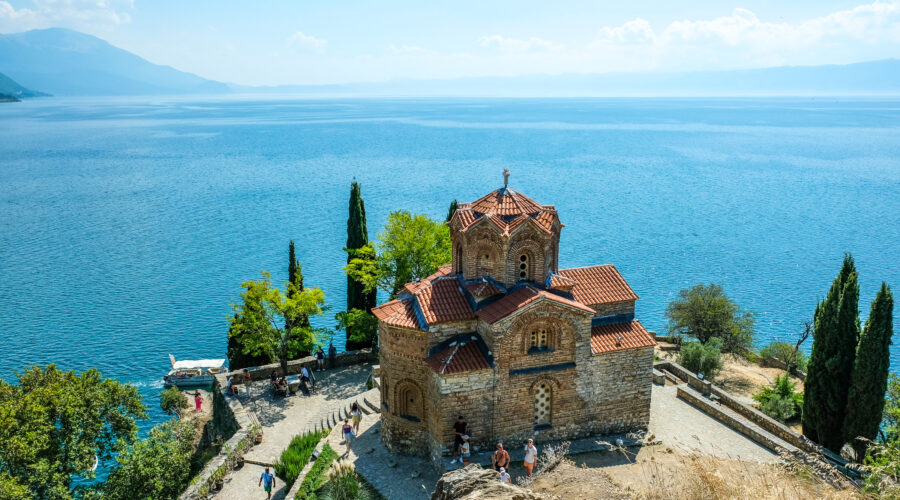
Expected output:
{"points": [[198, 363]]}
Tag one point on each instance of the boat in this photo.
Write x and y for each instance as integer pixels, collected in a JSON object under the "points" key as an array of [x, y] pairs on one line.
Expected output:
{"points": [[193, 373]]}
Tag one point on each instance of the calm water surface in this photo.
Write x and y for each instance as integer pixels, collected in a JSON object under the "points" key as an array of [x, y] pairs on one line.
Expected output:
{"points": [[127, 226]]}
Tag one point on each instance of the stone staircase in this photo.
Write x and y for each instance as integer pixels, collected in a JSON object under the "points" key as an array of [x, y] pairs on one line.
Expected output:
{"points": [[333, 415]]}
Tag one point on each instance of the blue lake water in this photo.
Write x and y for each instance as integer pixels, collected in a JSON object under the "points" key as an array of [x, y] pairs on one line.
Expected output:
{"points": [[127, 225]]}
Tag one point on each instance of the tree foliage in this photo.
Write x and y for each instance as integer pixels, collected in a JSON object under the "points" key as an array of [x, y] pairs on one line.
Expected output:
{"points": [[260, 322], [865, 399], [155, 468], [53, 423], [172, 401], [295, 277], [835, 336], [453, 206], [892, 409], [702, 358], [779, 400], [786, 353], [358, 295], [705, 312], [361, 327], [409, 247]]}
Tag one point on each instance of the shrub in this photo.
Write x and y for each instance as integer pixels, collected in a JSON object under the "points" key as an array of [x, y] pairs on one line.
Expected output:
{"points": [[295, 457], [783, 352], [172, 401], [779, 400], [316, 478], [343, 483], [883, 464], [702, 358]]}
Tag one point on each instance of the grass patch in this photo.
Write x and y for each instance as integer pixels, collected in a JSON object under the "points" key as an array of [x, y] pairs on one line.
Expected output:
{"points": [[296, 456], [316, 477]]}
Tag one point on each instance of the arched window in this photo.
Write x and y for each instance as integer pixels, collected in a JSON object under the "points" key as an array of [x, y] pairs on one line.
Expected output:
{"points": [[543, 404], [523, 266], [409, 401], [540, 339]]}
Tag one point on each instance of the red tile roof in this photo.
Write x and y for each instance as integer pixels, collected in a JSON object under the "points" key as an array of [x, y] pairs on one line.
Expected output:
{"points": [[521, 298], [483, 289], [560, 282], [397, 312], [620, 336], [506, 209], [415, 286], [598, 284], [441, 299], [467, 357]]}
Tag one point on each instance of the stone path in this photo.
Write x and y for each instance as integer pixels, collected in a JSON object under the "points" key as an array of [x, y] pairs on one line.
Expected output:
{"points": [[678, 424], [282, 418]]}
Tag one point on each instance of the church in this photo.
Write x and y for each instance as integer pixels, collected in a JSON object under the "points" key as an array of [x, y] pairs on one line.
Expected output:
{"points": [[504, 337]]}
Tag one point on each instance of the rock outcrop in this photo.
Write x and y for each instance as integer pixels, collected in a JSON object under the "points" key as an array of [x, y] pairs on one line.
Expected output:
{"points": [[473, 482]]}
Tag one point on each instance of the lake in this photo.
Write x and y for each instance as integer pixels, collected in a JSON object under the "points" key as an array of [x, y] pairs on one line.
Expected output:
{"points": [[128, 224]]}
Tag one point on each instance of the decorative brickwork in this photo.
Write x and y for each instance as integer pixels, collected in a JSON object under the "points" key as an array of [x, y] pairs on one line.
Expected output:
{"points": [[504, 338]]}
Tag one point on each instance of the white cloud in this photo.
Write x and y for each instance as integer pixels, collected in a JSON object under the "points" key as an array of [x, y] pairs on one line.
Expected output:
{"points": [[68, 13], [532, 44], [411, 50], [302, 40]]}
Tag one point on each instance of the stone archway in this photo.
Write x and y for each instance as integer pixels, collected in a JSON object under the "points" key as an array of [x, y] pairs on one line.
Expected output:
{"points": [[409, 402]]}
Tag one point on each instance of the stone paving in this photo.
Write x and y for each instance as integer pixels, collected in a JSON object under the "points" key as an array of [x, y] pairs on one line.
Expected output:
{"points": [[282, 418], [678, 424]]}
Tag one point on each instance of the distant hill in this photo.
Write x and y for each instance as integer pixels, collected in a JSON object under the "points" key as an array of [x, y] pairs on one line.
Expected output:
{"points": [[865, 79], [12, 91], [66, 62]]}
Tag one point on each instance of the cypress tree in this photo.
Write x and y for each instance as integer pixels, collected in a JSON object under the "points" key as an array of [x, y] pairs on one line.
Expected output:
{"points": [[357, 237], [831, 362], [865, 401], [453, 205], [295, 277]]}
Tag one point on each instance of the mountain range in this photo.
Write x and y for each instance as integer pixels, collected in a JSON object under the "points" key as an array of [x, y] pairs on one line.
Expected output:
{"points": [[65, 62], [10, 90]]}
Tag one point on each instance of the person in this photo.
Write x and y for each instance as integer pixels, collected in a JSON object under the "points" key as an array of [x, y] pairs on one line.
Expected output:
{"points": [[320, 359], [281, 387], [332, 354], [231, 387], [306, 377], [504, 476], [464, 450], [357, 416], [197, 401], [347, 429], [247, 380], [460, 428], [530, 456], [269, 479], [273, 378], [500, 458]]}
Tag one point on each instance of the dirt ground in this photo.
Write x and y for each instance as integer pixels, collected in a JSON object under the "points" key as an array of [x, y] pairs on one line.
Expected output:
{"points": [[660, 472]]}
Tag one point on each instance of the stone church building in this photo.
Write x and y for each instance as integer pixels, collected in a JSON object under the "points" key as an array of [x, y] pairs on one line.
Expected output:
{"points": [[504, 337]]}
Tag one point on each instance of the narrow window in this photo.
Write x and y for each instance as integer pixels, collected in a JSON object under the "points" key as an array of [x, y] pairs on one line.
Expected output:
{"points": [[542, 404], [540, 339], [523, 267]]}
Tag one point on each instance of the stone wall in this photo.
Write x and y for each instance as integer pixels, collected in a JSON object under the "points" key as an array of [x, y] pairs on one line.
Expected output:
{"points": [[404, 378], [263, 372], [614, 308], [622, 385]]}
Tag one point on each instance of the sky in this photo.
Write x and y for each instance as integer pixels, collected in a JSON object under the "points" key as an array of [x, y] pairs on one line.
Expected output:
{"points": [[277, 42]]}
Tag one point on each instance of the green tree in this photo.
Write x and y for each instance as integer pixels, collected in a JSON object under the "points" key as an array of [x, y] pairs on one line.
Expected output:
{"points": [[868, 384], [835, 336], [261, 321], [155, 468], [453, 205], [705, 312], [295, 277], [779, 400], [10, 489], [358, 295], [892, 409], [236, 357], [702, 358], [785, 353], [172, 401], [409, 247], [53, 423], [361, 327]]}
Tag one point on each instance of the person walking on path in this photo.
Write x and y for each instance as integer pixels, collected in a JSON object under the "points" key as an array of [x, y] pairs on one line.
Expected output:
{"points": [[460, 429], [530, 456], [347, 429], [320, 359], [198, 401], [356, 415], [269, 479], [247, 380], [500, 458], [504, 476], [332, 355]]}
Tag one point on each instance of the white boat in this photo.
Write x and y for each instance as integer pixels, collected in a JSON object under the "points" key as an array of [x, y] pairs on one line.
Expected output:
{"points": [[193, 373]]}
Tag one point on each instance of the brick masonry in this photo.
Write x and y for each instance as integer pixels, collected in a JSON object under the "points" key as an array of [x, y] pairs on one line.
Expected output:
{"points": [[575, 392]]}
